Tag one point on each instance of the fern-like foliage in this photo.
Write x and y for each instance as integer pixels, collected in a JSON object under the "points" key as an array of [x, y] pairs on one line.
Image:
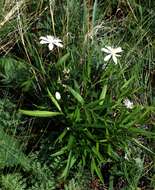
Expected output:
{"points": [[21, 172], [10, 150], [42, 175], [80, 181], [9, 120], [13, 182]]}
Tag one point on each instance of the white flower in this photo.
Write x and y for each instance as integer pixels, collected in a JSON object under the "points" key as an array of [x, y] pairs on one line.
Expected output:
{"points": [[112, 52], [51, 41], [126, 157], [66, 71], [128, 103], [57, 95]]}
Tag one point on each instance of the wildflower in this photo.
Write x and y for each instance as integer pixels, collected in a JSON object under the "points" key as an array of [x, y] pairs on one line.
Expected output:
{"points": [[112, 52], [51, 41], [128, 103], [66, 73], [57, 95], [126, 157]]}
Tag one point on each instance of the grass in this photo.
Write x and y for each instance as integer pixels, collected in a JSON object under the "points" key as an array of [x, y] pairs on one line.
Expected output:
{"points": [[88, 139]]}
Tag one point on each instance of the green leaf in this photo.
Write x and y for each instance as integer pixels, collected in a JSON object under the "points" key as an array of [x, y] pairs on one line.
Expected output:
{"points": [[70, 162], [54, 100], [61, 136], [37, 113], [60, 152], [71, 142], [76, 95], [103, 94], [89, 135], [13, 71], [126, 84], [98, 154], [63, 59], [95, 168], [94, 13], [76, 115], [143, 132], [88, 116]]}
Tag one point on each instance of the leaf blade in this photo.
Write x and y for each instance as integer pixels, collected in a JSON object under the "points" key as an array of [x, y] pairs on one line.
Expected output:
{"points": [[38, 113], [76, 95]]}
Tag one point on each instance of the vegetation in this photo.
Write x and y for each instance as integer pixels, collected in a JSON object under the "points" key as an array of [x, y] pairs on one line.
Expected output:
{"points": [[77, 95]]}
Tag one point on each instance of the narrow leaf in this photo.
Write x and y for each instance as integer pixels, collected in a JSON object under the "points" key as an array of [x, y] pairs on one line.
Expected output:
{"points": [[98, 154], [62, 135], [126, 84], [76, 95], [94, 13], [63, 59], [60, 152], [103, 94], [70, 162], [95, 168], [37, 113]]}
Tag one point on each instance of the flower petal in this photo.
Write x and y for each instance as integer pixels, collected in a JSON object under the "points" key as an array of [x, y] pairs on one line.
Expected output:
{"points": [[118, 50], [117, 55], [58, 44], [50, 38], [114, 59], [107, 57], [57, 40], [110, 48], [44, 40], [105, 50], [50, 46]]}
